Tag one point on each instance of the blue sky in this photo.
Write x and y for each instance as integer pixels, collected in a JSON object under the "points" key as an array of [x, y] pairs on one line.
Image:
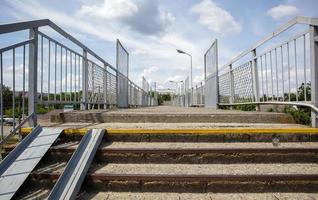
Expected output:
{"points": [[151, 30]]}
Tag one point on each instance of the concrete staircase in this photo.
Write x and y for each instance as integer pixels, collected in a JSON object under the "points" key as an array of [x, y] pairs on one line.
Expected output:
{"points": [[192, 164]]}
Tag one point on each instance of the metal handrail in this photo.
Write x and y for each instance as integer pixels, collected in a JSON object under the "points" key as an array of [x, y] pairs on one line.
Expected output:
{"points": [[313, 108], [281, 29]]}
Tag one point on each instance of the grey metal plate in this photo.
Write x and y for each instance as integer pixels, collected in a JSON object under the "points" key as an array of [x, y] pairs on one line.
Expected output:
{"points": [[19, 169], [73, 176]]}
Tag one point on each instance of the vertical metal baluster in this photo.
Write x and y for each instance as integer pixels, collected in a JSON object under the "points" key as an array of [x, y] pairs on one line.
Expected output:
{"points": [[41, 68], [277, 97], [261, 59], [75, 89], [23, 84], [288, 64], [266, 80], [296, 70], [13, 87], [55, 75], [61, 74], [49, 72], [282, 59], [272, 78], [65, 99], [305, 78], [1, 95], [71, 75]]}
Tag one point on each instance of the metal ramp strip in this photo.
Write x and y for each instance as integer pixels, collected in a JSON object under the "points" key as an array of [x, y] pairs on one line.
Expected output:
{"points": [[69, 183], [21, 161]]}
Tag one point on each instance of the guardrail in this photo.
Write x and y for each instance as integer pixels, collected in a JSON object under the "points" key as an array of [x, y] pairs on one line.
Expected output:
{"points": [[284, 74], [51, 68]]}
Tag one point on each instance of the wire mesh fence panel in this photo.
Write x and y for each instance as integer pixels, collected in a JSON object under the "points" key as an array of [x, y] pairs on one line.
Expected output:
{"points": [[111, 89], [211, 76], [243, 88], [96, 85], [122, 63], [224, 88]]}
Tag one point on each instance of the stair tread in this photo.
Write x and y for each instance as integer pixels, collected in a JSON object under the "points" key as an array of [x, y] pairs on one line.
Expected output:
{"points": [[188, 196], [206, 169]]}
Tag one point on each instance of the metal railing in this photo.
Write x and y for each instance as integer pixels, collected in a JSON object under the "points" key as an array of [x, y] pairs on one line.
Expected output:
{"points": [[55, 70], [284, 74]]}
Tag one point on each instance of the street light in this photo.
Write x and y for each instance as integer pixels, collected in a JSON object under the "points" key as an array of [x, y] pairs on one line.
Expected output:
{"points": [[182, 52]]}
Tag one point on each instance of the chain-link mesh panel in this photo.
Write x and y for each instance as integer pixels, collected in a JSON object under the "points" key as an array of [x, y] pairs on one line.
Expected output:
{"points": [[122, 59], [210, 60], [111, 89], [243, 88], [224, 88], [211, 76], [122, 76], [96, 83]]}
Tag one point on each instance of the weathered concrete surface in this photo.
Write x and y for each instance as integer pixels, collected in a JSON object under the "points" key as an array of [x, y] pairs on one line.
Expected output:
{"points": [[170, 114], [98, 195]]}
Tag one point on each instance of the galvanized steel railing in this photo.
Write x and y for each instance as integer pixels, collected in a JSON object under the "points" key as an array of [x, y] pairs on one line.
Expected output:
{"points": [[284, 74], [52, 71]]}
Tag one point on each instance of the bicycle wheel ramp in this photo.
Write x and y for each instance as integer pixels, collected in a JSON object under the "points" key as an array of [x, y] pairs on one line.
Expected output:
{"points": [[21, 161], [73, 176]]}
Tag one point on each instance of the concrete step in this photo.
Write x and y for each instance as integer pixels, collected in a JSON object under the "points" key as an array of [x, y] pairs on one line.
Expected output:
{"points": [[159, 152], [194, 178], [98, 195], [171, 117], [185, 152]]}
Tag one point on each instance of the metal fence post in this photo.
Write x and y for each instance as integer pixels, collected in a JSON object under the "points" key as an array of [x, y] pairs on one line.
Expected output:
{"points": [[255, 79], [313, 31], [105, 86], [231, 86], [85, 81], [33, 79]]}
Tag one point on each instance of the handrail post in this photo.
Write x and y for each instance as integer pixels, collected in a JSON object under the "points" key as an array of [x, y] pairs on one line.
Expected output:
{"points": [[313, 32], [33, 69], [255, 79], [85, 81], [231, 86], [105, 86]]}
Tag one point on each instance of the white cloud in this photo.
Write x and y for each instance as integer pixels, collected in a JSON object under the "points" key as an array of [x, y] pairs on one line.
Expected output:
{"points": [[282, 11], [216, 18], [149, 71], [110, 9]]}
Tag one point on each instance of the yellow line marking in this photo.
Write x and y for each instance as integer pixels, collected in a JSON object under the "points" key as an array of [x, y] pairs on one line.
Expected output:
{"points": [[194, 131]]}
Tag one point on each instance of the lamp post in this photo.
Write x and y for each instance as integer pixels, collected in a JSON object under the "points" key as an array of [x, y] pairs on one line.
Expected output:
{"points": [[182, 52]]}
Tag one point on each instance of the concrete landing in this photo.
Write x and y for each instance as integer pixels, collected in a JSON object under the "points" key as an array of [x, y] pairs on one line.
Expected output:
{"points": [[170, 114]]}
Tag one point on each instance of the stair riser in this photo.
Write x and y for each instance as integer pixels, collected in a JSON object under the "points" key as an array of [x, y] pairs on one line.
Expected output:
{"points": [[219, 138], [202, 187], [103, 156], [265, 184], [207, 158], [171, 118]]}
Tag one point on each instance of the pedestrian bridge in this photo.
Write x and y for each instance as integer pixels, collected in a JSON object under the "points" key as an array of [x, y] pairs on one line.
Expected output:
{"points": [[119, 144]]}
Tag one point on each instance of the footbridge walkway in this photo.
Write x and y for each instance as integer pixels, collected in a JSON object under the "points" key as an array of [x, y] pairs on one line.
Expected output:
{"points": [[117, 143]]}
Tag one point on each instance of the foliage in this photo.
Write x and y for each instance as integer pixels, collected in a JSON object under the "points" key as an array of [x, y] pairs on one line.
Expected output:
{"points": [[248, 107], [301, 115], [163, 97], [270, 110]]}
